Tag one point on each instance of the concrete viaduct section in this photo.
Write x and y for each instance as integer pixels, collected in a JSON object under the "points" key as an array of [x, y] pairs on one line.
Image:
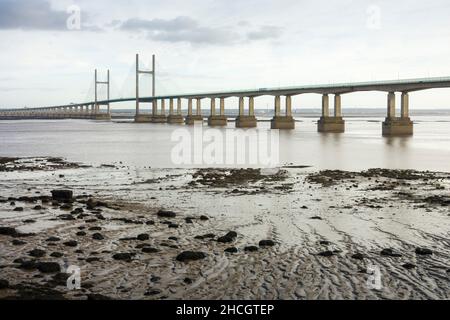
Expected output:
{"points": [[392, 126], [88, 111]]}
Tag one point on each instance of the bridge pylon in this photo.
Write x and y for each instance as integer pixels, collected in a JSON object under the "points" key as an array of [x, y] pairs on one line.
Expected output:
{"points": [[142, 117], [97, 115]]}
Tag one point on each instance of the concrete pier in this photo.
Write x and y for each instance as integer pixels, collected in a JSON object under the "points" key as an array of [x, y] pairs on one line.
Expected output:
{"points": [[158, 117], [329, 123], [175, 117], [246, 121], [219, 120], [398, 126], [192, 118], [280, 121]]}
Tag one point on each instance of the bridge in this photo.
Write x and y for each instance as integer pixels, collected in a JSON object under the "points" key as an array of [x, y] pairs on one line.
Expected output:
{"points": [[394, 125]]}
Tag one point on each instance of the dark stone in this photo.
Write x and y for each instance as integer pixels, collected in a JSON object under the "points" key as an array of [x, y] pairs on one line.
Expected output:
{"points": [[409, 266], [92, 259], [26, 264], [358, 256], [188, 280], [423, 252], [390, 253], [326, 253], [4, 284], [188, 220], [53, 239], [204, 218], [325, 243], [71, 243], [190, 256], [173, 238], [150, 222], [95, 228], [29, 221], [16, 242], [266, 243], [66, 217], [173, 226], [62, 194], [98, 236], [149, 250], [251, 248], [166, 214], [48, 267], [143, 237], [152, 292], [231, 250], [18, 209], [126, 256], [8, 231], [229, 237], [155, 279], [56, 254], [38, 207], [81, 233], [37, 253]]}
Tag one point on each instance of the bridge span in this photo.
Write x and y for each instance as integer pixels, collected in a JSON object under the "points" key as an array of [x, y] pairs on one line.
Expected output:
{"points": [[393, 125]]}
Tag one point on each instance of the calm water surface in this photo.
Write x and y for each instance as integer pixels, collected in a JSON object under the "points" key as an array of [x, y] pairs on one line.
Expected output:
{"points": [[361, 147]]}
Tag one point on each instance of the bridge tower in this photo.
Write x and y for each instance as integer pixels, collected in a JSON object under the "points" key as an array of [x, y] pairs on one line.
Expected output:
{"points": [[97, 115], [154, 117]]}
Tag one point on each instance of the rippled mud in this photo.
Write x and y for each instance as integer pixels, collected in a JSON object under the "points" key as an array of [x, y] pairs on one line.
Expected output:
{"points": [[292, 233]]}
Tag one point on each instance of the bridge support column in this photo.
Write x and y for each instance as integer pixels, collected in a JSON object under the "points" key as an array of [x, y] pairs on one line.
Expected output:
{"points": [[175, 117], [246, 121], [398, 126], [159, 117], [331, 124], [280, 121], [197, 117], [217, 120]]}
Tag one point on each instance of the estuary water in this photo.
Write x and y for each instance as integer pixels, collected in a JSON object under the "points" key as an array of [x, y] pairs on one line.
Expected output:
{"points": [[151, 145]]}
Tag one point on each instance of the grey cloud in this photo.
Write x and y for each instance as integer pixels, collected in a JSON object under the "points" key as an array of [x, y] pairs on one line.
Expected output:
{"points": [[186, 29], [265, 32]]}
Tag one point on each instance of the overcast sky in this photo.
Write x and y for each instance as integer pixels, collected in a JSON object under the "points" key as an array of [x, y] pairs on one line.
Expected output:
{"points": [[204, 45]]}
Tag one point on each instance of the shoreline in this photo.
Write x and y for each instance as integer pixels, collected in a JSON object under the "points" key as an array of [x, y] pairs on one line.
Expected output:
{"points": [[313, 234]]}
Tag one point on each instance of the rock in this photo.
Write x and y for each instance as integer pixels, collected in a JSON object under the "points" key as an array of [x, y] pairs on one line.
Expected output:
{"points": [[4, 284], [126, 256], [26, 264], [56, 254], [166, 214], [95, 229], [62, 195], [149, 250], [66, 217], [143, 237], [173, 238], [266, 243], [316, 218], [358, 256], [81, 233], [37, 253], [408, 266], [18, 209], [231, 250], [8, 231], [48, 267], [326, 253], [16, 242], [423, 252], [71, 243], [92, 259], [53, 239], [38, 207], [188, 280], [152, 292], [28, 221], [150, 222], [251, 248], [190, 256], [390, 253], [229, 237], [173, 226], [204, 218], [188, 220], [155, 279], [98, 236], [325, 243]]}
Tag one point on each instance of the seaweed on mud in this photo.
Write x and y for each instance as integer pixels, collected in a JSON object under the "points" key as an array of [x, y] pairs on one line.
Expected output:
{"points": [[227, 177]]}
